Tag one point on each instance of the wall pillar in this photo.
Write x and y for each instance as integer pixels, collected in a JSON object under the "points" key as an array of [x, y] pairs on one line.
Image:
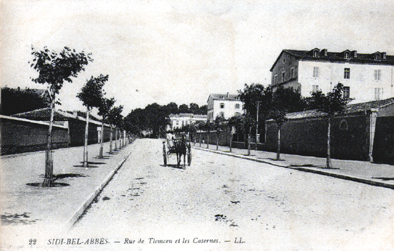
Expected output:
{"points": [[373, 114]]}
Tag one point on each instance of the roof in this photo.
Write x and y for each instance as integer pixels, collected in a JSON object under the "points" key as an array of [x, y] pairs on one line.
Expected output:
{"points": [[366, 106], [59, 115], [188, 115], [350, 109], [326, 56], [44, 114], [31, 121], [232, 97]]}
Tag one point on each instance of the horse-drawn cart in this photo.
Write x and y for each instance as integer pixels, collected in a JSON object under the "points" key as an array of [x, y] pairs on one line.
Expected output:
{"points": [[179, 146]]}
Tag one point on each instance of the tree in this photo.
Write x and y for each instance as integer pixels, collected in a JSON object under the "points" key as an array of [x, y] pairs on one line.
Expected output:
{"points": [[202, 110], [115, 118], [105, 107], [91, 96], [208, 126], [284, 100], [22, 100], [243, 124], [332, 103], [193, 108], [53, 70], [256, 98], [218, 125], [183, 108]]}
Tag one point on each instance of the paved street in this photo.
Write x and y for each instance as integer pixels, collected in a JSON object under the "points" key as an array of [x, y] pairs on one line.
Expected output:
{"points": [[223, 199]]}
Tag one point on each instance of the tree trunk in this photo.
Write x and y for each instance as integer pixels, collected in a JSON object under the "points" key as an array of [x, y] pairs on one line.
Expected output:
{"points": [[208, 139], [101, 154], [48, 179], [278, 149], [200, 138], [110, 139], [217, 141], [231, 142], [85, 146], [249, 139], [328, 164], [116, 139]]}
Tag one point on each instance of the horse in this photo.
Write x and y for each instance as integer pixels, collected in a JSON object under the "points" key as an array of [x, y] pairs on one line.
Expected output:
{"points": [[181, 149]]}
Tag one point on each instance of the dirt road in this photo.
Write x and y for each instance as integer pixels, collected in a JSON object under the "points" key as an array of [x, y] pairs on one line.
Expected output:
{"points": [[224, 203]]}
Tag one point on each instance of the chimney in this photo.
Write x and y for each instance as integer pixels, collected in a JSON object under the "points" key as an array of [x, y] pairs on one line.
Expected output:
{"points": [[75, 113], [324, 52]]}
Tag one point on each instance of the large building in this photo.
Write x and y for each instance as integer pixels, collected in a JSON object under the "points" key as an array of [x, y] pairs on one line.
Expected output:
{"points": [[183, 119], [366, 77], [224, 105]]}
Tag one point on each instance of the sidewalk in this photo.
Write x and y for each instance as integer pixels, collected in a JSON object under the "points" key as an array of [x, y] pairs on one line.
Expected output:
{"points": [[359, 171], [31, 206]]}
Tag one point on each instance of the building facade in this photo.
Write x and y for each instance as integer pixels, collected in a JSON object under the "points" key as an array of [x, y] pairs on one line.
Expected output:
{"points": [[183, 119], [224, 105], [366, 77]]}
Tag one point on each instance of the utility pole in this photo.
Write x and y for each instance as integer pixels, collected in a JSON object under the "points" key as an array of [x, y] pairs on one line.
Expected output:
{"points": [[257, 124]]}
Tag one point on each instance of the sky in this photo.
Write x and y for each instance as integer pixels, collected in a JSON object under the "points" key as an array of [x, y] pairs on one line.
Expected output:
{"points": [[182, 50]]}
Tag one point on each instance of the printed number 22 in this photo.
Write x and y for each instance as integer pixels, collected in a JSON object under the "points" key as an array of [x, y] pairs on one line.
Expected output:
{"points": [[32, 242]]}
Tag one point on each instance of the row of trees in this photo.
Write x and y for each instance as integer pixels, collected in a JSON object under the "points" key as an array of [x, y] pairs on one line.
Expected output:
{"points": [[261, 104], [154, 118], [54, 69]]}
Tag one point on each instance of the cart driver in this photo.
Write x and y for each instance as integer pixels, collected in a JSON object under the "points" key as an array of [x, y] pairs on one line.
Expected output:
{"points": [[170, 140]]}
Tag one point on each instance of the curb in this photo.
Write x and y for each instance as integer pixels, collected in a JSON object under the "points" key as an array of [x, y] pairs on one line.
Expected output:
{"points": [[334, 175], [78, 213]]}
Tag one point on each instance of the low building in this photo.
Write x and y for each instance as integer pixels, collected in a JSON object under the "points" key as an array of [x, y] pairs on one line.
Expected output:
{"points": [[224, 105], [72, 120], [23, 135], [183, 119]]}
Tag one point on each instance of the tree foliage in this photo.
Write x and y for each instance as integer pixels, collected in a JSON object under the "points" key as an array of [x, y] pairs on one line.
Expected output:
{"points": [[92, 92], [115, 115], [155, 117], [55, 68], [106, 105], [331, 103]]}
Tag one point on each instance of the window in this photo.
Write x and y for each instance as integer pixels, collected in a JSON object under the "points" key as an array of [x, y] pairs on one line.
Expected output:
{"points": [[315, 88], [343, 126], [275, 79], [315, 72], [346, 92], [221, 105], [378, 93], [377, 74], [346, 74], [237, 106], [283, 76], [292, 73]]}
